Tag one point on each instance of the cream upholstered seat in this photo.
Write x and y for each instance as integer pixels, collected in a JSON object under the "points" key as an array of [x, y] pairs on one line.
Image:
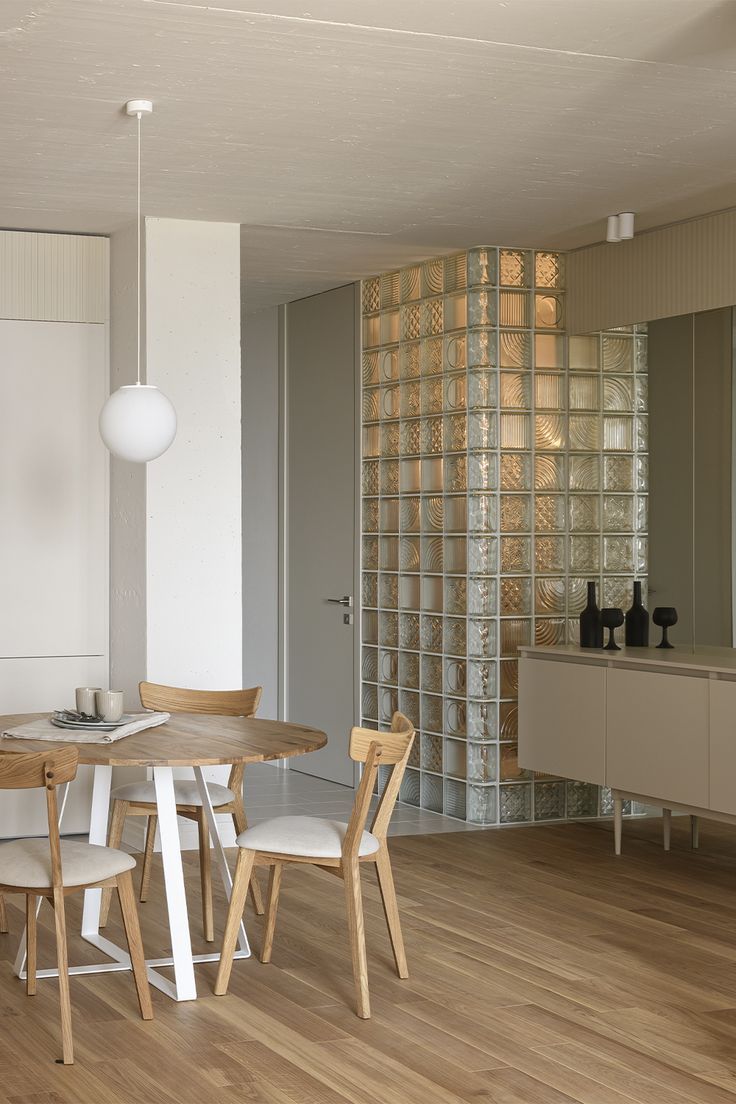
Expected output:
{"points": [[28, 863], [186, 792], [303, 835]]}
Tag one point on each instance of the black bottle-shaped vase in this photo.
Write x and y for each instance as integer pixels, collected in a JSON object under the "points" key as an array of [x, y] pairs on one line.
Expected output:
{"points": [[636, 633], [591, 625]]}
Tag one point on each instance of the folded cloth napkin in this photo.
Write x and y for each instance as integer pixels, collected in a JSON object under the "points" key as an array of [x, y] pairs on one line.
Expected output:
{"points": [[45, 730]]}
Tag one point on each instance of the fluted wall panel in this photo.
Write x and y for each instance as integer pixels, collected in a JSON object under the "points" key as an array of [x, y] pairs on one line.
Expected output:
{"points": [[54, 277]]}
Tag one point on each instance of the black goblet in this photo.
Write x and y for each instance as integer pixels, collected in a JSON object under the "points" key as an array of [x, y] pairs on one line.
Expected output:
{"points": [[665, 617], [612, 619]]}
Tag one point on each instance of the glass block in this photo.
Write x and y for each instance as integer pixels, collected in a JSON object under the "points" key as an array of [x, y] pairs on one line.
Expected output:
{"points": [[409, 283], [508, 715], [641, 520], [549, 310], [481, 597], [618, 513], [409, 792], [617, 353], [456, 596], [516, 596], [483, 388], [509, 678], [456, 352], [431, 633], [455, 637], [584, 392], [432, 475], [409, 592], [515, 268], [455, 311], [516, 555], [410, 321], [482, 471], [549, 351], [432, 598], [390, 285], [515, 390], [409, 554], [582, 799], [618, 393], [370, 553], [371, 295], [431, 713], [585, 473], [369, 621], [409, 515], [411, 438], [388, 629], [515, 803], [481, 637], [549, 431], [549, 554], [371, 331], [456, 555], [617, 593], [455, 758], [641, 473], [369, 365], [516, 431], [432, 554], [371, 398], [370, 589], [455, 680], [482, 555], [482, 267], [432, 276], [618, 473], [432, 435], [482, 763], [456, 473], [388, 703], [370, 516], [482, 308], [414, 754], [481, 430], [408, 669], [618, 554], [549, 595], [585, 432], [390, 402], [481, 678], [369, 701], [431, 395], [455, 800], [515, 349], [584, 513], [455, 717], [456, 433], [371, 441], [577, 595], [390, 439], [549, 391], [482, 720], [432, 789], [549, 800], [409, 705], [640, 354], [433, 513], [482, 349], [584, 353], [389, 365], [409, 366], [549, 270], [431, 752], [641, 436], [585, 554], [482, 513], [430, 356], [389, 477], [515, 633], [456, 271], [516, 513], [641, 395], [618, 433], [516, 472], [514, 309], [456, 392], [481, 805], [550, 632], [641, 552], [606, 803], [389, 666], [409, 631], [369, 664], [549, 472], [549, 513], [410, 399], [389, 515]]}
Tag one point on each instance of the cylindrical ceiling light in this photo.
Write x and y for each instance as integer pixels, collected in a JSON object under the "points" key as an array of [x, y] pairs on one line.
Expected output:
{"points": [[626, 225], [138, 422], [613, 233]]}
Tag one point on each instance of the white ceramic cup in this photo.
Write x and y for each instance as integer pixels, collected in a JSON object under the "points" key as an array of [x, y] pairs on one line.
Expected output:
{"points": [[85, 696], [109, 705]]}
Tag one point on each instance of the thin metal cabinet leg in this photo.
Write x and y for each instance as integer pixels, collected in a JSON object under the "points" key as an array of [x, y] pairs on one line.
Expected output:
{"points": [[667, 828], [176, 901], [618, 821]]}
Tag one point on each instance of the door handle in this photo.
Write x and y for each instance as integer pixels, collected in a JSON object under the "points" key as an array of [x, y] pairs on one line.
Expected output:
{"points": [[346, 600]]}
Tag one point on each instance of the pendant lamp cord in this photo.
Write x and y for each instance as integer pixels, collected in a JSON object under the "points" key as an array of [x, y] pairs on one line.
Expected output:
{"points": [[139, 248]]}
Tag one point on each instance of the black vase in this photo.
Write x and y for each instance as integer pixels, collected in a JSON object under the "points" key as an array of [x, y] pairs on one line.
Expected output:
{"points": [[591, 625], [636, 633]]}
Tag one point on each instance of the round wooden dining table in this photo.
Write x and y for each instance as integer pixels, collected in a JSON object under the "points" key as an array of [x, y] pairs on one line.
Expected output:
{"points": [[186, 740]]}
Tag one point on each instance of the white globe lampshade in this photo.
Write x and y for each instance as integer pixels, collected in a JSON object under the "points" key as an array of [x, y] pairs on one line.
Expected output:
{"points": [[138, 423]]}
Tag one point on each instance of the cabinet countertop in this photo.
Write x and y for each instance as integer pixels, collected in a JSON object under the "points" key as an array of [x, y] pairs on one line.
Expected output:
{"points": [[702, 662]]}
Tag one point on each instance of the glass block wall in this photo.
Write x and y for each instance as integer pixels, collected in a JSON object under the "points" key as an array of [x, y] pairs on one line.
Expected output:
{"points": [[504, 465]]}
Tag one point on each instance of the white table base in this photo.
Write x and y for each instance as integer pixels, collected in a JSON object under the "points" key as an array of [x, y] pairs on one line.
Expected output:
{"points": [[183, 987]]}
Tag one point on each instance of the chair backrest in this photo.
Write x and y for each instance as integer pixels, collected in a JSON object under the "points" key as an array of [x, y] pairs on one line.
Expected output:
{"points": [[374, 749], [222, 703], [47, 769]]}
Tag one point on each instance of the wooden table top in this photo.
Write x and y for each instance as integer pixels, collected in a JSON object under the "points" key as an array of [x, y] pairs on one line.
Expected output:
{"points": [[187, 740]]}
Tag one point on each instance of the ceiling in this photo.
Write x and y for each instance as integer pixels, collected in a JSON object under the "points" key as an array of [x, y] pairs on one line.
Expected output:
{"points": [[350, 137]]}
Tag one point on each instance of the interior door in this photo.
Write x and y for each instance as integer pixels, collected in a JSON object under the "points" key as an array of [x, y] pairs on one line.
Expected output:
{"points": [[320, 524]]}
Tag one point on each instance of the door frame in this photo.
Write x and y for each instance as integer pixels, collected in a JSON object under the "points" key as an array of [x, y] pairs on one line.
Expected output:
{"points": [[283, 515]]}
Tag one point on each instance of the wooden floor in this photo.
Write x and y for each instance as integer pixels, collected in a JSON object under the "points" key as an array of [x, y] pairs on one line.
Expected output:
{"points": [[543, 971]]}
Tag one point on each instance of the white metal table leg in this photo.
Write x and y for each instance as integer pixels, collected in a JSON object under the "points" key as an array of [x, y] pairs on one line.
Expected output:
{"points": [[19, 966], [97, 835], [227, 880], [176, 901]]}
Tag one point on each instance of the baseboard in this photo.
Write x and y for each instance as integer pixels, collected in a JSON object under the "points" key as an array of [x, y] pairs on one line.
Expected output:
{"points": [[134, 833]]}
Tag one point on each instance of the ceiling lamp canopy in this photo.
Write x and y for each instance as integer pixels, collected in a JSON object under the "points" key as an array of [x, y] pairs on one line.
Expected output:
{"points": [[138, 422]]}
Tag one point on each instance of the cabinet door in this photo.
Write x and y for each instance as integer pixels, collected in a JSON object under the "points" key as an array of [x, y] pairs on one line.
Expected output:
{"points": [[53, 490], [657, 735], [561, 719], [722, 746]]}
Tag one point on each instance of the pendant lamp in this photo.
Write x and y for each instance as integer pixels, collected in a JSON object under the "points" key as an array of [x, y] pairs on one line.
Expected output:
{"points": [[138, 422]]}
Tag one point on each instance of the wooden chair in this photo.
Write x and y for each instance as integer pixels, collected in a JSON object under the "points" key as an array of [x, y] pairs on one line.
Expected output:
{"points": [[339, 848], [54, 868], [139, 798]]}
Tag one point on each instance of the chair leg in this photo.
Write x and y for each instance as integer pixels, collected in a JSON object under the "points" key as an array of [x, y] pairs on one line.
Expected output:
{"points": [[31, 943], [205, 874], [241, 881], [3, 916], [129, 909], [63, 964], [117, 823], [148, 856], [274, 887], [391, 910], [356, 931], [241, 823]]}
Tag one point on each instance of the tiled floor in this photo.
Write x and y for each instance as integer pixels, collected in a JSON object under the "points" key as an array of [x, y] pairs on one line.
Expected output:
{"points": [[272, 791]]}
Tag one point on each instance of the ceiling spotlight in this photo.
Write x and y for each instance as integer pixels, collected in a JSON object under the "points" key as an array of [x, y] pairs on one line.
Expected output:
{"points": [[626, 225], [613, 233]]}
